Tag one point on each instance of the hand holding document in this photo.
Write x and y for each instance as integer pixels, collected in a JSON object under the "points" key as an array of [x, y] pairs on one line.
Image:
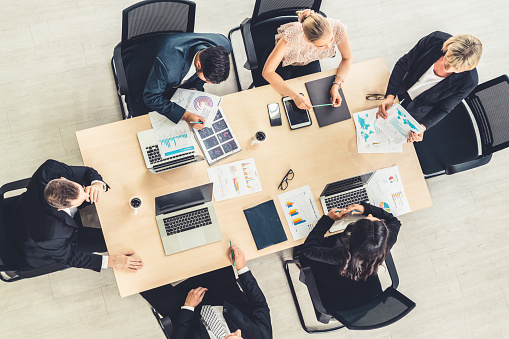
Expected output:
{"points": [[370, 138], [201, 103], [399, 124]]}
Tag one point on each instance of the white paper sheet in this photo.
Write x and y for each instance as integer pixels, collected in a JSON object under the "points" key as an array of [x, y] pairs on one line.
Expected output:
{"points": [[300, 211], [399, 124], [171, 138], [234, 179], [201, 103], [385, 190], [370, 138]]}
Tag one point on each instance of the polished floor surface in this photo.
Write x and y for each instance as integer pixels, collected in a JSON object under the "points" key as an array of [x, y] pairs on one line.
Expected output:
{"points": [[56, 79]]}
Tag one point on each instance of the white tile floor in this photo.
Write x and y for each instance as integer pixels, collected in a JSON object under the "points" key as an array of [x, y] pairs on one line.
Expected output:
{"points": [[56, 79]]}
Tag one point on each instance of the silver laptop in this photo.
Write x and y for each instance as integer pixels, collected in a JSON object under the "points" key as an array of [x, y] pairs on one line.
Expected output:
{"points": [[157, 164], [343, 193], [186, 219]]}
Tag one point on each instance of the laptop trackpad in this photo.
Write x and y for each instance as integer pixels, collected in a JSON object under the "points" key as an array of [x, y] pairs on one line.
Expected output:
{"points": [[192, 238], [341, 224]]}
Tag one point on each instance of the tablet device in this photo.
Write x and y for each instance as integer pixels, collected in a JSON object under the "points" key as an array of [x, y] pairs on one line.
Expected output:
{"points": [[297, 117]]}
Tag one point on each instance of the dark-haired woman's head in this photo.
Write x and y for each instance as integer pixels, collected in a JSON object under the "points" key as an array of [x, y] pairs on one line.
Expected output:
{"points": [[364, 248]]}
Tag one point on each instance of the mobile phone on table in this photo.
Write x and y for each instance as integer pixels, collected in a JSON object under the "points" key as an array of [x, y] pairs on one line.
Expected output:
{"points": [[274, 114], [297, 117]]}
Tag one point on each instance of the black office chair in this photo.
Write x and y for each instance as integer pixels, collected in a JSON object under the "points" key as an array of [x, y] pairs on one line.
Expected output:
{"points": [[141, 23], [164, 322], [468, 136], [259, 31], [384, 309], [12, 267]]}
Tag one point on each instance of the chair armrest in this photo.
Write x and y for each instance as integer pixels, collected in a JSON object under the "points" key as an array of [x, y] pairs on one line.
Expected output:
{"points": [[247, 38], [119, 70], [166, 326], [35, 272], [322, 315], [15, 185], [468, 165], [391, 267]]}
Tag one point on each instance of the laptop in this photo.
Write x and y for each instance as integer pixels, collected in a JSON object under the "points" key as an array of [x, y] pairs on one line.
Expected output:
{"points": [[186, 219], [343, 193], [157, 164]]}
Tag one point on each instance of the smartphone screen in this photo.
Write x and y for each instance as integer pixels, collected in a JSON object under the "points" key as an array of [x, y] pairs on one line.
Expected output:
{"points": [[274, 114], [296, 116]]}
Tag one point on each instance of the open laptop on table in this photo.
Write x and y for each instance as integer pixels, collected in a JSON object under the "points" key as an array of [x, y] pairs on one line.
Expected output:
{"points": [[186, 219]]}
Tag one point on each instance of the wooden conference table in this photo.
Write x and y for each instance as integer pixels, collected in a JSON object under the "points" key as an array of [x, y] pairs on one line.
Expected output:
{"points": [[316, 155]]}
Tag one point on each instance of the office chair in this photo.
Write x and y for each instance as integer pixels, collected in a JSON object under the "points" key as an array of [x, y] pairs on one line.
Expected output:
{"points": [[384, 309], [259, 31], [468, 136], [141, 23], [12, 267], [164, 322]]}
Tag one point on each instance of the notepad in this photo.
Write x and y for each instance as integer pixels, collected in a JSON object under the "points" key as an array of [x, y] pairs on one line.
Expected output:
{"points": [[265, 225]]}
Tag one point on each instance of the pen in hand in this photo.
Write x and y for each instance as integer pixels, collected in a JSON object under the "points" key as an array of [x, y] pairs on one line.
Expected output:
{"points": [[321, 105], [197, 122]]}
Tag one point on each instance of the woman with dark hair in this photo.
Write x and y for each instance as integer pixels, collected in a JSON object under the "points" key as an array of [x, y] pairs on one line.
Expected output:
{"points": [[345, 265]]}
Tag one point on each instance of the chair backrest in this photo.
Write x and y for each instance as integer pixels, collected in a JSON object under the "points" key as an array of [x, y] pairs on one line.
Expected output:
{"points": [[265, 9], [154, 17], [381, 311], [489, 103]]}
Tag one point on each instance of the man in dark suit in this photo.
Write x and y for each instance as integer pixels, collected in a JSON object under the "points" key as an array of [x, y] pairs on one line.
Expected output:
{"points": [[155, 69], [245, 314], [50, 229], [433, 77]]}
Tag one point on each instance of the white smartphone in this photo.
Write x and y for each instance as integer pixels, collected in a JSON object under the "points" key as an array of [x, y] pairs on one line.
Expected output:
{"points": [[297, 117]]}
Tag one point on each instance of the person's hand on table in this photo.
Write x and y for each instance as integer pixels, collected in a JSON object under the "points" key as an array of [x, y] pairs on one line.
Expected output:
{"points": [[125, 261], [240, 258], [94, 191], [335, 98], [384, 106], [192, 118], [301, 102], [337, 214], [414, 137], [355, 209], [195, 296]]}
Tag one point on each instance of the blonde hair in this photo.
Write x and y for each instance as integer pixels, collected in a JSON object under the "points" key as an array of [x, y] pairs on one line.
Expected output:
{"points": [[314, 25], [465, 52]]}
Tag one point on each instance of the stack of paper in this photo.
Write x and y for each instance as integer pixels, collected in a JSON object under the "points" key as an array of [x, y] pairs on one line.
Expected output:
{"points": [[370, 137]]}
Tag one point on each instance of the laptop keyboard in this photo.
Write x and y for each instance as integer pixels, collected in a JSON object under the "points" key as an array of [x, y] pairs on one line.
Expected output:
{"points": [[154, 156], [344, 200], [342, 185], [187, 221]]}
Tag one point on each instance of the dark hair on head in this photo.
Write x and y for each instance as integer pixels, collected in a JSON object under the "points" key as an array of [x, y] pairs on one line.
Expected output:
{"points": [[60, 192], [215, 64], [364, 248]]}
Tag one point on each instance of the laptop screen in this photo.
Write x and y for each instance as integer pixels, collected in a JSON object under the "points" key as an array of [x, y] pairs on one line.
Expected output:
{"points": [[183, 199]]}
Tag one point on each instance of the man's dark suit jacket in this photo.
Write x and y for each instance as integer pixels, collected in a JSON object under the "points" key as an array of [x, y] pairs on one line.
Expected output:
{"points": [[325, 257], [248, 312], [155, 67], [431, 106], [45, 233]]}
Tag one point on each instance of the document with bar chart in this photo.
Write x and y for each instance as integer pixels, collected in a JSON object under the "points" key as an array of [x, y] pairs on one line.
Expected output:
{"points": [[300, 211], [172, 138], [234, 179]]}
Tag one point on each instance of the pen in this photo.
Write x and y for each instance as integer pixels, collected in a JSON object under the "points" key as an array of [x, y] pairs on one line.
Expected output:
{"points": [[197, 122], [321, 105], [376, 143], [233, 255]]}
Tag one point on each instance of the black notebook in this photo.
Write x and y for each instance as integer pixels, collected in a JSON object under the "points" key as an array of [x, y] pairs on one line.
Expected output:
{"points": [[265, 225], [319, 94]]}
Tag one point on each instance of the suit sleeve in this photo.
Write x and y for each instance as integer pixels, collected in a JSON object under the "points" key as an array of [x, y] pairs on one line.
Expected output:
{"points": [[393, 224], [442, 108], [64, 253], [255, 297], [405, 63], [183, 325], [85, 175], [313, 248], [157, 82]]}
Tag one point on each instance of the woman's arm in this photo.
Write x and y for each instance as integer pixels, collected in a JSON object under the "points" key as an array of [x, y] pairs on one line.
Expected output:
{"points": [[342, 71], [275, 80]]}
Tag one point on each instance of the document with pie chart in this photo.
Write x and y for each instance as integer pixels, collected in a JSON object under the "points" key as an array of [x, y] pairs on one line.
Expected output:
{"points": [[197, 102], [385, 190]]}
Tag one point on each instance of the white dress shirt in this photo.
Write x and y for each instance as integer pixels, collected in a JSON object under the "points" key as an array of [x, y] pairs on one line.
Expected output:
{"points": [[426, 81], [191, 72]]}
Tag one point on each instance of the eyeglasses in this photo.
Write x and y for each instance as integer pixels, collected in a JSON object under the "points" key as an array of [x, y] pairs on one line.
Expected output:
{"points": [[375, 96], [284, 183]]}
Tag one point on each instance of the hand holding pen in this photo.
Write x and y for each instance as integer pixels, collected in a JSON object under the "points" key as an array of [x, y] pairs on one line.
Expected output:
{"points": [[236, 256]]}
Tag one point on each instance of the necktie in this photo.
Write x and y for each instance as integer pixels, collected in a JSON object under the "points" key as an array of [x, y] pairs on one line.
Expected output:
{"points": [[211, 320]]}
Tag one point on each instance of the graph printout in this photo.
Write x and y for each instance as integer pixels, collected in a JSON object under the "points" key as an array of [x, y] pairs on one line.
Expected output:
{"points": [[234, 179], [370, 138], [171, 138], [201, 103], [385, 190], [399, 124], [300, 211]]}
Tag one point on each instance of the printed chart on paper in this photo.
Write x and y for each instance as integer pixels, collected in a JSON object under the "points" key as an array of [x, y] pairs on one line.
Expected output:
{"points": [[300, 211]]}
